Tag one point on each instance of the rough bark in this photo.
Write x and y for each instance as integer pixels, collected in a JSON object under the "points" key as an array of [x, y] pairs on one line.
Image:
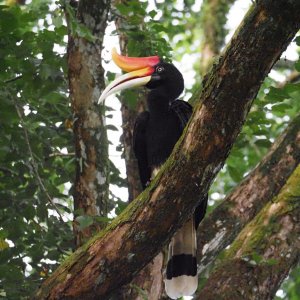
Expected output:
{"points": [[117, 253], [222, 226], [213, 22], [263, 253], [86, 82]]}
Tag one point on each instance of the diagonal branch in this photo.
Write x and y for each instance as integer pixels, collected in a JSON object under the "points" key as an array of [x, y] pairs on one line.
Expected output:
{"points": [[116, 254], [221, 227], [263, 253]]}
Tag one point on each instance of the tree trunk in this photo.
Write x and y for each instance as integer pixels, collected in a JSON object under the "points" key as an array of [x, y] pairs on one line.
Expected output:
{"points": [[213, 20], [86, 82], [129, 115], [117, 253], [263, 253], [222, 226]]}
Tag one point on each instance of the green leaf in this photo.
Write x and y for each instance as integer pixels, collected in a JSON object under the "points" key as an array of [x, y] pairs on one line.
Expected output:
{"points": [[3, 244], [84, 32], [57, 21], [277, 94], [129, 97], [297, 40], [234, 173], [123, 8], [110, 76], [121, 205], [281, 107], [297, 65], [111, 127], [84, 221], [263, 143]]}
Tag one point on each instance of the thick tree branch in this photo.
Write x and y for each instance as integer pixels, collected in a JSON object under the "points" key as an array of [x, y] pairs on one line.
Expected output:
{"points": [[263, 253], [222, 226], [116, 254]]}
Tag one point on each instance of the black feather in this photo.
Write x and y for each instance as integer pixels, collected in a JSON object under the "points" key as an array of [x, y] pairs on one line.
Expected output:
{"points": [[140, 147], [183, 111]]}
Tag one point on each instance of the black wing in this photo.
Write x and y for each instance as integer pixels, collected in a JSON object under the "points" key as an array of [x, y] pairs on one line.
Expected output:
{"points": [[140, 147], [183, 111]]}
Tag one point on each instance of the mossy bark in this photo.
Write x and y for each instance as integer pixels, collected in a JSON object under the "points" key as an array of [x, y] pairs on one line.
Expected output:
{"points": [[221, 227], [114, 256], [263, 253], [86, 80]]}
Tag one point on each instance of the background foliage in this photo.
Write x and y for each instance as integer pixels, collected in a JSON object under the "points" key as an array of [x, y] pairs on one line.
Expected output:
{"points": [[36, 149], [35, 134]]}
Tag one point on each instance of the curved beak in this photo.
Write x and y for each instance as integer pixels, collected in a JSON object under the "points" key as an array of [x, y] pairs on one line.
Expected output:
{"points": [[140, 70]]}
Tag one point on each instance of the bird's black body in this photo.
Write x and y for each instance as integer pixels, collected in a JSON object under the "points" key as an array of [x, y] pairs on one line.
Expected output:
{"points": [[158, 129], [155, 135]]}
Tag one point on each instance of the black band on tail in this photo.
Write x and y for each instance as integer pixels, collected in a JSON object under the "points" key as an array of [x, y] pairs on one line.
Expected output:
{"points": [[182, 264]]}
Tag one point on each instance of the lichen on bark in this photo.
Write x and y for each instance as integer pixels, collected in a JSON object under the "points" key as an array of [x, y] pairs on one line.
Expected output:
{"points": [[248, 198], [263, 253]]}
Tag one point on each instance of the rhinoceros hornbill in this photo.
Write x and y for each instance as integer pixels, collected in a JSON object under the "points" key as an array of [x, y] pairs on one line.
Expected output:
{"points": [[155, 133]]}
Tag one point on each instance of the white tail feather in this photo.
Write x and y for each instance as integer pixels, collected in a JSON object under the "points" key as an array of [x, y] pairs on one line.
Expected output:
{"points": [[183, 243], [180, 286]]}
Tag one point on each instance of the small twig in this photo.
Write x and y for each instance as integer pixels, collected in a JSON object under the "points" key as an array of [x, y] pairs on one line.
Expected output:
{"points": [[13, 79], [7, 170], [61, 154], [34, 164]]}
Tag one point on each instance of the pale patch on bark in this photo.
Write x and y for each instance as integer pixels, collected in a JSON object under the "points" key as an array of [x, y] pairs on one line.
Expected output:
{"points": [[92, 120], [273, 209], [214, 243], [101, 179], [287, 227]]}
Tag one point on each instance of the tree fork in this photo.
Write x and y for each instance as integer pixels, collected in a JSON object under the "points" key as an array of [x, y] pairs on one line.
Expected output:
{"points": [[116, 254], [263, 253]]}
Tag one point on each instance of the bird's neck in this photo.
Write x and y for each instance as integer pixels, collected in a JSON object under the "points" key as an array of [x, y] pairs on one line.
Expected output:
{"points": [[158, 102]]}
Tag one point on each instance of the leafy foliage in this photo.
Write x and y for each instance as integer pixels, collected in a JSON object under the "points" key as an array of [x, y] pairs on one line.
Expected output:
{"points": [[145, 35], [34, 128], [291, 287]]}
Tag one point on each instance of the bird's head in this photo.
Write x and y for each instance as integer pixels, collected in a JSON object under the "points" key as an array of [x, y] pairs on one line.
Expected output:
{"points": [[150, 71]]}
